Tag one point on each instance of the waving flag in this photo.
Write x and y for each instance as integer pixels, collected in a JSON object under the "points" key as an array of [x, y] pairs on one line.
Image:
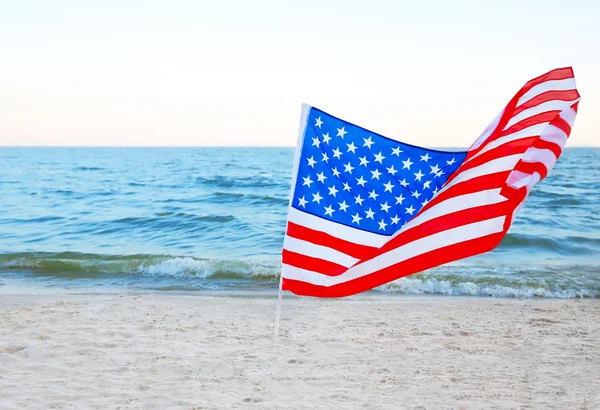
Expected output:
{"points": [[366, 210]]}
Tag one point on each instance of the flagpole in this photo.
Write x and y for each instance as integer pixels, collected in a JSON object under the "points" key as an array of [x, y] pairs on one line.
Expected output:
{"points": [[278, 310], [303, 124]]}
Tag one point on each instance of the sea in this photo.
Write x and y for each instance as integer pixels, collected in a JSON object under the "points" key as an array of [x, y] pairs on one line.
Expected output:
{"points": [[201, 220]]}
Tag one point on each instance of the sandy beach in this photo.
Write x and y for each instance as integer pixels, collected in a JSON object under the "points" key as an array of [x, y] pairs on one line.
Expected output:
{"points": [[157, 351]]}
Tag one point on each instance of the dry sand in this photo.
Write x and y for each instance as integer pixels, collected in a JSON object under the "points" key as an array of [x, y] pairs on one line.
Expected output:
{"points": [[180, 351]]}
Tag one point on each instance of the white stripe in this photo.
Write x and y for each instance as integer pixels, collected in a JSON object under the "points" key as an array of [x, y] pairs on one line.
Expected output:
{"points": [[545, 156], [487, 132], [317, 251], [555, 135], [519, 179], [304, 275], [569, 115], [457, 203], [336, 229], [490, 167], [554, 105], [552, 85], [534, 130], [439, 240]]}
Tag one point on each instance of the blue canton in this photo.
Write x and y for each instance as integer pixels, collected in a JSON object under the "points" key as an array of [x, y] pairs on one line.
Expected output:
{"points": [[364, 180]]}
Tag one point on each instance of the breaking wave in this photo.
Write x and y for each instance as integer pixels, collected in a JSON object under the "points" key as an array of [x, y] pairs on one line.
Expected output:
{"points": [[168, 272], [81, 265]]}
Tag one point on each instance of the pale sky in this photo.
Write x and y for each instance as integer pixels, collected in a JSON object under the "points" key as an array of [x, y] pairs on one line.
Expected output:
{"points": [[230, 73]]}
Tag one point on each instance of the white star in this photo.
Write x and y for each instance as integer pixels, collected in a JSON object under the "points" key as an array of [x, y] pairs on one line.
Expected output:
{"points": [[363, 161], [368, 142], [326, 138], [358, 200], [341, 132], [407, 164], [452, 161], [425, 202], [382, 225], [410, 210], [333, 190], [329, 210], [351, 147], [416, 194], [360, 181], [316, 142], [435, 191], [356, 218], [404, 183], [346, 186], [317, 198], [399, 199], [434, 169], [385, 207], [391, 170], [426, 184], [343, 206], [321, 177], [375, 174], [396, 151], [388, 187], [419, 175], [349, 168], [440, 173], [425, 157], [307, 181], [395, 220], [319, 122], [336, 173], [373, 195], [325, 157], [311, 162], [302, 202], [370, 213], [379, 158], [337, 153]]}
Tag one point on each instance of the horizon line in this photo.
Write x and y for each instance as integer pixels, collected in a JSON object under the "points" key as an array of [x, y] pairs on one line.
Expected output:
{"points": [[216, 146]]}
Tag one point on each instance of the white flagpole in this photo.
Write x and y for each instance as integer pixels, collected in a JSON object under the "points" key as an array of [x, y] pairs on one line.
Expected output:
{"points": [[303, 123], [278, 311]]}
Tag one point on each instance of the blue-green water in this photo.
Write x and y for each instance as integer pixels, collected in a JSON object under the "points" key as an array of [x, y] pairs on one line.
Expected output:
{"points": [[214, 218]]}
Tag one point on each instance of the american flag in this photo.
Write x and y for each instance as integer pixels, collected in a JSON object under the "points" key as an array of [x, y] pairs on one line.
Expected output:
{"points": [[366, 210]]}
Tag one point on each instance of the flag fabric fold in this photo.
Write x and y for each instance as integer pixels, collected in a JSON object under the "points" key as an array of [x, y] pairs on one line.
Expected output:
{"points": [[366, 210]]}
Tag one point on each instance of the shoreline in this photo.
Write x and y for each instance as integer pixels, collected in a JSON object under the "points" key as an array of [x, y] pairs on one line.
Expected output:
{"points": [[156, 351], [264, 292]]}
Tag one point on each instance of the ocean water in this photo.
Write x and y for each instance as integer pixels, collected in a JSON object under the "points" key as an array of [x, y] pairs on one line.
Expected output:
{"points": [[198, 219]]}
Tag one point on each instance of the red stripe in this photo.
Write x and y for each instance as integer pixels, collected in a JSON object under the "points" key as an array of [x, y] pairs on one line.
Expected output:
{"points": [[533, 120], [445, 222], [407, 267], [480, 183], [312, 264], [531, 167], [562, 124], [321, 238], [552, 146], [516, 195], [575, 106], [553, 95], [557, 74], [510, 148]]}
